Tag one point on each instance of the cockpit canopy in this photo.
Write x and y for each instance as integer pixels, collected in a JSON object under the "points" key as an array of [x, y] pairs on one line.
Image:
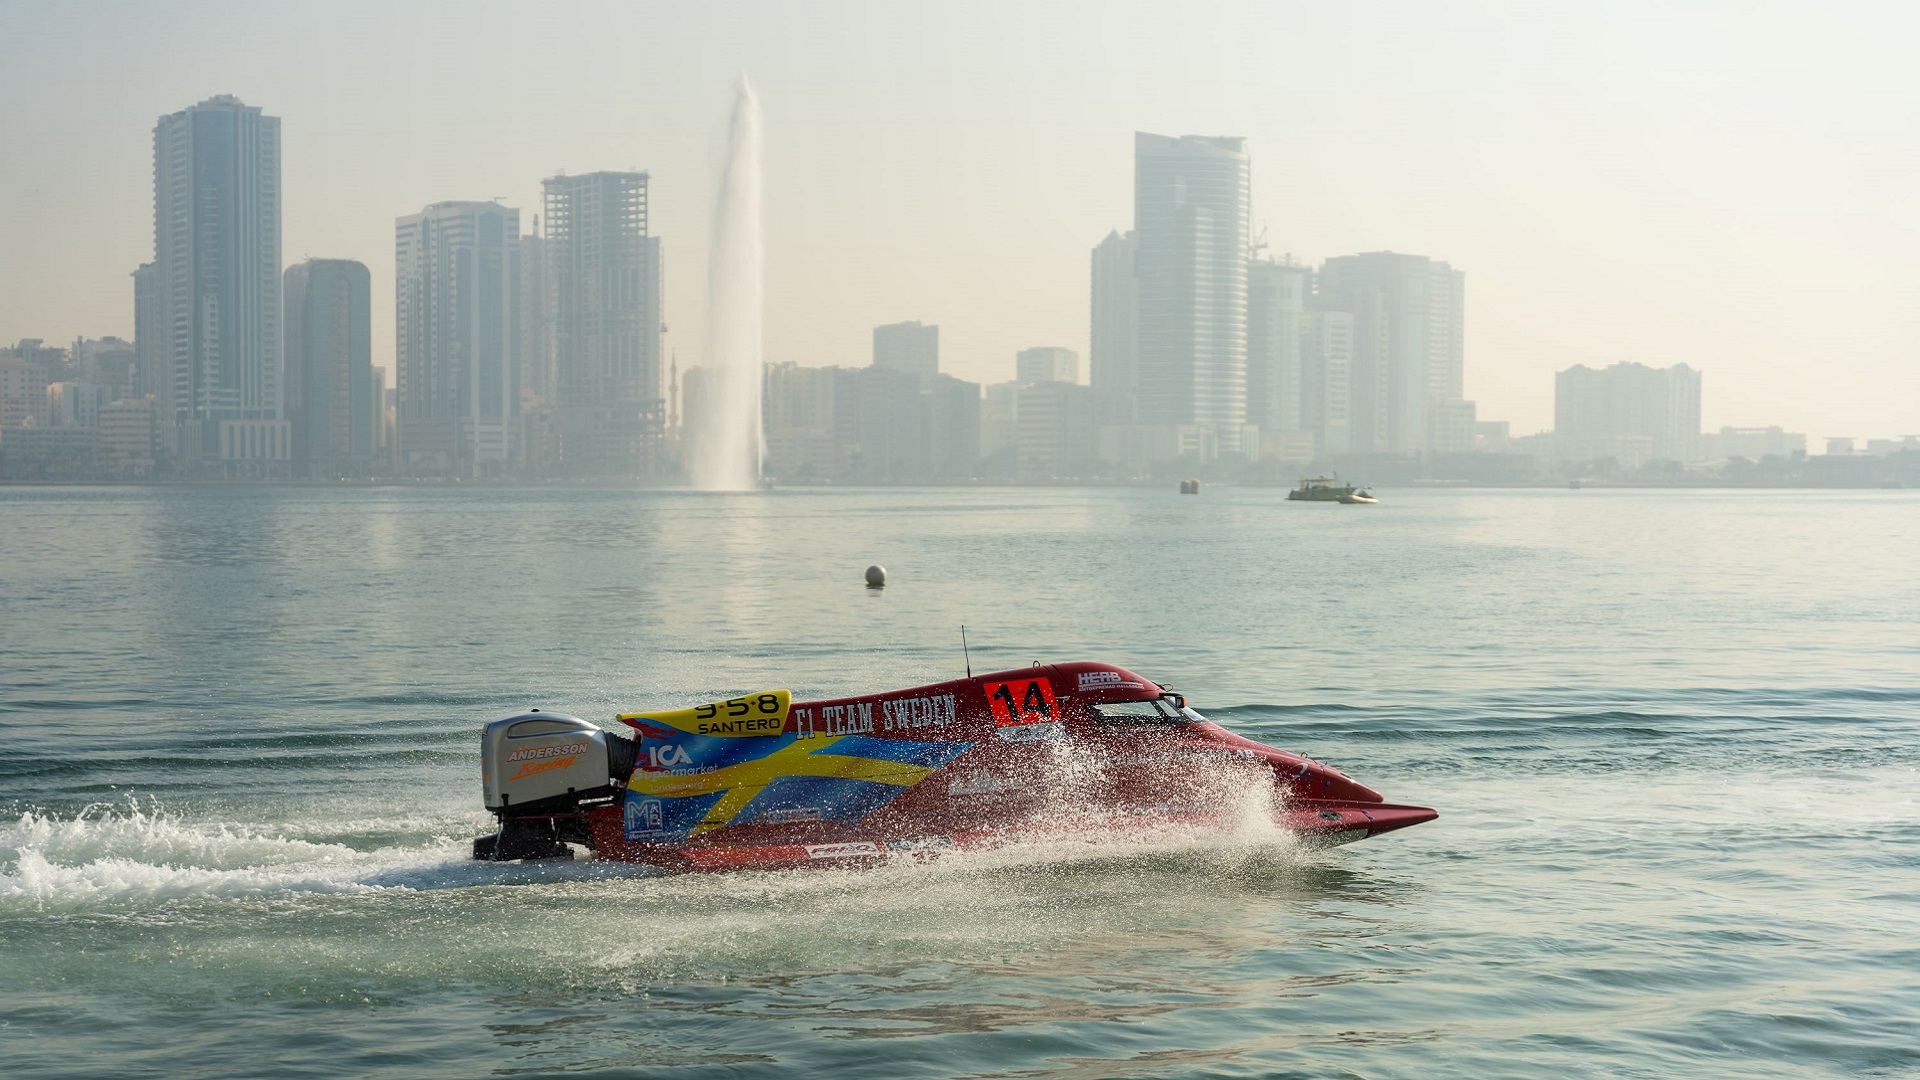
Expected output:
{"points": [[1161, 710]]}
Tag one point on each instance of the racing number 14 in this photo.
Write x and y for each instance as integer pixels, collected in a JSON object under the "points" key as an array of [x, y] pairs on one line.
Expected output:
{"points": [[1028, 701]]}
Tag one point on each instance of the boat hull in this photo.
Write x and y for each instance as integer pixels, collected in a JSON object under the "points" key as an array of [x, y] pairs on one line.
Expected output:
{"points": [[1068, 750], [1322, 823]]}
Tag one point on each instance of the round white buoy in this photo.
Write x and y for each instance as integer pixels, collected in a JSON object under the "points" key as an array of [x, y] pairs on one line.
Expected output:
{"points": [[876, 577]]}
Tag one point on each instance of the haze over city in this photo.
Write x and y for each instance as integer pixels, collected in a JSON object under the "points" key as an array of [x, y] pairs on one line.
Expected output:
{"points": [[1723, 186], [901, 540]]}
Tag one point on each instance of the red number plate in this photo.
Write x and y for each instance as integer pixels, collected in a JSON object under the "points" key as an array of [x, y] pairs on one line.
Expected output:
{"points": [[1023, 701]]}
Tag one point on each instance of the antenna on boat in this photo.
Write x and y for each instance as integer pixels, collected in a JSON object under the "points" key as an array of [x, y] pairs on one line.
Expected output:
{"points": [[963, 650]]}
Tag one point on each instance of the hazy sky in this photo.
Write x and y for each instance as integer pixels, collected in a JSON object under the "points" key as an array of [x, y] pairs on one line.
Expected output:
{"points": [[1734, 186]]}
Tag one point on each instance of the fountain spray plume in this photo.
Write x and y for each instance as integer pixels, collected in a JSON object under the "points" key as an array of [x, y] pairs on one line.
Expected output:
{"points": [[724, 444]]}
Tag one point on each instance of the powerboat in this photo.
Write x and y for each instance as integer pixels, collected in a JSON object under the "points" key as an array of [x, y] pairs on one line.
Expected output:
{"points": [[762, 781], [1361, 497]]}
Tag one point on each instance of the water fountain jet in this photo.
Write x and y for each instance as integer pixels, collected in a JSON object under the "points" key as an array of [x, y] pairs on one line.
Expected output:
{"points": [[723, 450]]}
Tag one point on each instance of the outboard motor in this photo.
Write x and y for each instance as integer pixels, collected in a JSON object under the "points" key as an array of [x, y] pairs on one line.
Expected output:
{"points": [[540, 772]]}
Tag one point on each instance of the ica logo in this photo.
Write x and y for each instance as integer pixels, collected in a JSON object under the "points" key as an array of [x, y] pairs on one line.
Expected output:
{"points": [[667, 757]]}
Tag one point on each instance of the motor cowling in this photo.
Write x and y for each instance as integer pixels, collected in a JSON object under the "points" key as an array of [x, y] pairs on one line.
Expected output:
{"points": [[531, 757]]}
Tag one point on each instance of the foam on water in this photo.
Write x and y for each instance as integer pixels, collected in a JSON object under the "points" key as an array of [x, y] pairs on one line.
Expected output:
{"points": [[139, 851], [136, 852]]}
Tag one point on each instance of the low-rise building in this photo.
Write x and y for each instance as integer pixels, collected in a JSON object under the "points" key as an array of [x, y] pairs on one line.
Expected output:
{"points": [[131, 436]]}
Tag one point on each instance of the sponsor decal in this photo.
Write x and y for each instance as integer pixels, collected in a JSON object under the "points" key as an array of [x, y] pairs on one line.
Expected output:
{"points": [[1032, 732], [670, 756], [787, 815], [779, 778], [534, 752], [1181, 755], [754, 716], [534, 768], [914, 713], [644, 819], [853, 717], [849, 849], [1106, 680], [748, 725], [1023, 701]]}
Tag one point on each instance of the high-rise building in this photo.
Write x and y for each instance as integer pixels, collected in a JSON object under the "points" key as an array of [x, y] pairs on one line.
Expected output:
{"points": [[216, 260], [1000, 428], [604, 272], [798, 415], [1326, 382], [152, 345], [537, 306], [1276, 311], [329, 380], [952, 427], [382, 424], [1113, 359], [1055, 432], [908, 347], [1629, 412], [1409, 318], [1191, 207], [889, 425], [1047, 364], [457, 325]]}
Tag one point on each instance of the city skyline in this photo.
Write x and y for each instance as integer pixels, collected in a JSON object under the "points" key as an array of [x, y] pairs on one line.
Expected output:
{"points": [[1585, 216], [535, 356]]}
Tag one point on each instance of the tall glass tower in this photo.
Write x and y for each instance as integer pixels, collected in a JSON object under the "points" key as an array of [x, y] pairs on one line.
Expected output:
{"points": [[1191, 206], [457, 323], [216, 267]]}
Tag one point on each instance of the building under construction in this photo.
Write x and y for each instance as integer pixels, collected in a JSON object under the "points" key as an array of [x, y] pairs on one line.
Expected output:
{"points": [[603, 286]]}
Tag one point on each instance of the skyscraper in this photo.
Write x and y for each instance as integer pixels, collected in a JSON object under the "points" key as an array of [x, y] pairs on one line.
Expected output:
{"points": [[152, 345], [537, 306], [1276, 308], [952, 428], [908, 347], [329, 379], [1191, 206], [1113, 361], [605, 285], [216, 197], [1409, 319], [1326, 380], [457, 325]]}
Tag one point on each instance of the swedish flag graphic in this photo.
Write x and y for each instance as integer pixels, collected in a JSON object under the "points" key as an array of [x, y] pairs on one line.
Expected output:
{"points": [[686, 783]]}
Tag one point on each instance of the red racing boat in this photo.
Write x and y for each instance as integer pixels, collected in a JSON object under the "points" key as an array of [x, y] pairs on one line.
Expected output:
{"points": [[763, 781]]}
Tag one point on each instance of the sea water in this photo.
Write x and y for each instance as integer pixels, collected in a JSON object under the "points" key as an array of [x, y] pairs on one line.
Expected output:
{"points": [[1673, 737]]}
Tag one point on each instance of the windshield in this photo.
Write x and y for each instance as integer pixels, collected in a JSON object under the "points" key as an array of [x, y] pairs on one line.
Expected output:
{"points": [[1153, 711]]}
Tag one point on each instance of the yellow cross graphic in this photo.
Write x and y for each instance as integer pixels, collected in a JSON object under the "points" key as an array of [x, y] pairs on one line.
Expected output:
{"points": [[743, 781]]}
